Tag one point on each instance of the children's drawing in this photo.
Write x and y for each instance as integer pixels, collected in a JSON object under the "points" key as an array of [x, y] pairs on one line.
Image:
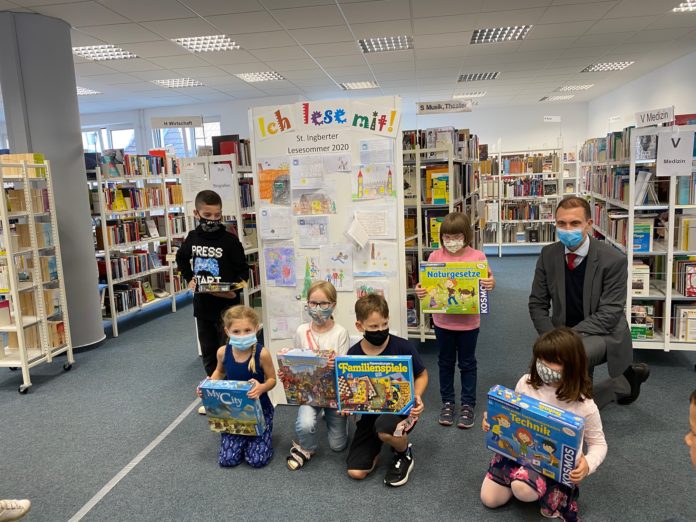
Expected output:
{"points": [[377, 259], [380, 150], [336, 266], [313, 202], [307, 270], [337, 163], [307, 172], [280, 265], [312, 231], [365, 287], [284, 314], [274, 180], [373, 181]]}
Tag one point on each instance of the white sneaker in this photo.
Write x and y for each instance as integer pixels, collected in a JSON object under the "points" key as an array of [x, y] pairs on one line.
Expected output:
{"points": [[201, 411], [13, 509]]}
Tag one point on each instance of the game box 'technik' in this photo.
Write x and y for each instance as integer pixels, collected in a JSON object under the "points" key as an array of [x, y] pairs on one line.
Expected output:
{"points": [[533, 433], [229, 410]]}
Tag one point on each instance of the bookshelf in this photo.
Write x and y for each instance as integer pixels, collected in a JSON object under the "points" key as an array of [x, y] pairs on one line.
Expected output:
{"points": [[625, 195], [138, 209], [518, 192], [433, 187], [34, 326]]}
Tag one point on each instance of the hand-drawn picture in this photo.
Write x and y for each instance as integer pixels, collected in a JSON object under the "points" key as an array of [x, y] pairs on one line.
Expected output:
{"points": [[373, 181], [313, 202], [274, 180], [280, 265], [336, 266]]}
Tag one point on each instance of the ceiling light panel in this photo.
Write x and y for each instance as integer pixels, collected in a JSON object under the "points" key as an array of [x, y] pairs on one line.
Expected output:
{"points": [[476, 77], [500, 34], [386, 43], [561, 97], [254, 77], [100, 53], [685, 7], [352, 86], [178, 83], [569, 88], [204, 44], [607, 66], [82, 91], [466, 95]]}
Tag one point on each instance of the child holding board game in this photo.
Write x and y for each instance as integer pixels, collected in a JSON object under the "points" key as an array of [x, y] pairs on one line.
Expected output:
{"points": [[322, 333], [558, 377], [456, 334], [243, 358]]}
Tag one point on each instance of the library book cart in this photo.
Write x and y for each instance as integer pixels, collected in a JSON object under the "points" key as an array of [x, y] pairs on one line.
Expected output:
{"points": [[34, 327]]}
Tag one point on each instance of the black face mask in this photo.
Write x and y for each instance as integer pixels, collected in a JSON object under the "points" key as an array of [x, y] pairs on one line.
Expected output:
{"points": [[376, 338], [210, 225]]}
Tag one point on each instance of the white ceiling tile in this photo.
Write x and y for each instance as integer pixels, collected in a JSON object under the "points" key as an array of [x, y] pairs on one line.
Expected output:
{"points": [[307, 74], [374, 29], [381, 11], [446, 7], [576, 12], [406, 55], [157, 49], [237, 68], [510, 18], [149, 76], [314, 82], [544, 44], [397, 76], [561, 29], [80, 14], [264, 40], [621, 25], [425, 41], [345, 61], [244, 23], [343, 49], [133, 65], [180, 27], [227, 57], [318, 35], [506, 5], [658, 35], [200, 73], [226, 80], [121, 33], [219, 7], [79, 38], [280, 53], [443, 24], [409, 67], [673, 20], [290, 65], [171, 62], [92, 69], [113, 79], [641, 8], [308, 17], [281, 4], [140, 11], [439, 52]]}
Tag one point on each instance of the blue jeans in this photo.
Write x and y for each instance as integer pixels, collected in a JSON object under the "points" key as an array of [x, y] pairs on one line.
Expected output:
{"points": [[306, 428], [457, 347]]}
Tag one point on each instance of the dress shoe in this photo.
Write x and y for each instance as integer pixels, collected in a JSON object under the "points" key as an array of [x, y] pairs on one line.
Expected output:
{"points": [[636, 374]]}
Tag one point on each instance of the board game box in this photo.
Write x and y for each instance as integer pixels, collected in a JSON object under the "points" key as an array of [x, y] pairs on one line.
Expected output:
{"points": [[382, 384], [307, 378], [533, 433], [229, 409], [454, 288]]}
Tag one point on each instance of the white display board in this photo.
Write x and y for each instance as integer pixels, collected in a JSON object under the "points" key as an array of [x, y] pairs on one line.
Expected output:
{"points": [[328, 178]]}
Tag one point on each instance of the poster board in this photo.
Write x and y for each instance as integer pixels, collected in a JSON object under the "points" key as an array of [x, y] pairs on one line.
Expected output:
{"points": [[318, 163]]}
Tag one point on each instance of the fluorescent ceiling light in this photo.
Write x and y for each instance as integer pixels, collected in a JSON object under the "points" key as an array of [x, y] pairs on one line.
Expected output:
{"points": [[567, 88], [100, 53], [685, 7], [561, 97], [204, 44], [178, 83], [253, 77], [82, 91], [475, 77], [351, 86], [386, 43], [500, 34], [465, 95], [607, 66]]}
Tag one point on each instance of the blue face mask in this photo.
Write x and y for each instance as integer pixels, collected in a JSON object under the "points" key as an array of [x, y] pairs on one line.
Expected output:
{"points": [[243, 342], [320, 316], [570, 238]]}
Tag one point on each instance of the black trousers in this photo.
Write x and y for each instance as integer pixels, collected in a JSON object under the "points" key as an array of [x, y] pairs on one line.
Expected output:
{"points": [[211, 336]]}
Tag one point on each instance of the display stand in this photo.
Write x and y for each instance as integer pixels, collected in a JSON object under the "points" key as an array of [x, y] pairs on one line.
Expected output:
{"points": [[35, 326], [315, 166]]}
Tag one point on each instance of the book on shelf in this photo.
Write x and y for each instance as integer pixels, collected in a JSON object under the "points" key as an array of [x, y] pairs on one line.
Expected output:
{"points": [[685, 323], [643, 230], [685, 232], [483, 152], [642, 321], [646, 147], [410, 229], [433, 219], [436, 181], [32, 158], [49, 268], [410, 180], [152, 229], [148, 293], [684, 275], [56, 333], [51, 301], [5, 313], [112, 163], [640, 279]]}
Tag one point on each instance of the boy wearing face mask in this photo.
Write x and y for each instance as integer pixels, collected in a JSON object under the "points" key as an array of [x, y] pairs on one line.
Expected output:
{"points": [[211, 254], [372, 314], [456, 334]]}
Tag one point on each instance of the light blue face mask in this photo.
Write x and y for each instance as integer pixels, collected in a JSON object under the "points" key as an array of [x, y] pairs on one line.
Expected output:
{"points": [[243, 342], [570, 238], [320, 316]]}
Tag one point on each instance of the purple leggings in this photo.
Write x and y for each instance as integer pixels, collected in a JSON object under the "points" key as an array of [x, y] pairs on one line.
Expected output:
{"points": [[257, 451]]}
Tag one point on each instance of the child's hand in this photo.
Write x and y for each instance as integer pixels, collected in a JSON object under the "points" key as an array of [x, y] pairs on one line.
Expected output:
{"points": [[580, 471], [488, 283], [484, 423], [255, 391], [344, 413], [417, 410], [192, 285], [279, 373], [420, 291], [332, 360], [199, 393]]}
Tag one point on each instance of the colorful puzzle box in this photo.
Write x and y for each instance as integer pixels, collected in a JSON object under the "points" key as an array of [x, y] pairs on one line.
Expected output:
{"points": [[382, 384], [454, 288], [307, 378], [533, 433], [229, 409]]}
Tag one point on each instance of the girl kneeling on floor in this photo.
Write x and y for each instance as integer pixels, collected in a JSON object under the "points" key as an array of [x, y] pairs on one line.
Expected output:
{"points": [[557, 376]]}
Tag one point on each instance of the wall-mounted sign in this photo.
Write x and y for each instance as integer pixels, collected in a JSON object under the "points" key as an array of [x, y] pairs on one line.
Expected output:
{"points": [[552, 119], [176, 122], [655, 117], [439, 107]]}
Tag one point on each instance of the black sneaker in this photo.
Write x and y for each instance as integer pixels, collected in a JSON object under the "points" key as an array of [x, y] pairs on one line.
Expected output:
{"points": [[446, 414], [466, 417], [401, 467]]}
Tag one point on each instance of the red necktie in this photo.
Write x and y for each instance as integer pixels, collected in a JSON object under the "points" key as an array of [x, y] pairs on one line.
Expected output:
{"points": [[570, 260]]}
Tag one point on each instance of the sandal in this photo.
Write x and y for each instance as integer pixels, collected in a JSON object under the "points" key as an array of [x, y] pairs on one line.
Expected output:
{"points": [[298, 457]]}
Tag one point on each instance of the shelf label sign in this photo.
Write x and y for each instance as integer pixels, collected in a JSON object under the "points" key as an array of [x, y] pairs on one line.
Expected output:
{"points": [[440, 107], [176, 122], [655, 117], [674, 153], [552, 119]]}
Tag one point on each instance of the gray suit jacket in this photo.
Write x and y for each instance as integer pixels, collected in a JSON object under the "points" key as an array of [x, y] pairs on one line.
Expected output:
{"points": [[604, 299]]}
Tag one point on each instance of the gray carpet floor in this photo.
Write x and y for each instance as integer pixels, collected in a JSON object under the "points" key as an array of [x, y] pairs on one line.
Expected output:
{"points": [[74, 431]]}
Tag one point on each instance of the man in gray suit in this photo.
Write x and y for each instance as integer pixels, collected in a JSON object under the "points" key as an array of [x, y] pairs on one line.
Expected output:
{"points": [[583, 282]]}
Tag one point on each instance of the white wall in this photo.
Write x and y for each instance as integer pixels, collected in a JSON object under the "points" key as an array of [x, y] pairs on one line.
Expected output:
{"points": [[672, 84]]}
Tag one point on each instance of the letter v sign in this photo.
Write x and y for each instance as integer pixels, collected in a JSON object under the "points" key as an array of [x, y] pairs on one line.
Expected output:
{"points": [[675, 144]]}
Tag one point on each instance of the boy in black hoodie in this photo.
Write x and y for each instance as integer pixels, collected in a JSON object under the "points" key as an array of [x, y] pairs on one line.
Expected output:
{"points": [[211, 254]]}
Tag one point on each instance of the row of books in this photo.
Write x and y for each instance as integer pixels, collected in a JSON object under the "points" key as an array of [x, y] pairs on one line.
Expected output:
{"points": [[684, 275], [133, 294], [124, 264], [31, 158], [246, 192], [175, 194], [519, 232], [465, 146], [609, 183], [647, 318], [230, 144], [520, 187], [527, 210], [120, 199], [488, 166], [114, 163], [531, 163], [16, 201], [254, 274], [685, 232]]}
